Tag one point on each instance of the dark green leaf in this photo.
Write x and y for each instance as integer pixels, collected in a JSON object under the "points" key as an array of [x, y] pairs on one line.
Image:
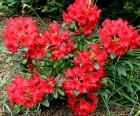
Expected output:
{"points": [[76, 92], [61, 92], [96, 65], [55, 94], [46, 103], [3, 49], [121, 70], [112, 56]]}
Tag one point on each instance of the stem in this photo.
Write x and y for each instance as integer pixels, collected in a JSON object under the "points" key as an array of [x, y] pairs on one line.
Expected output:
{"points": [[25, 5], [106, 106]]}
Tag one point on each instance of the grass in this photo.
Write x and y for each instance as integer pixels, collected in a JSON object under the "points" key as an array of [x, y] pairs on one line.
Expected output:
{"points": [[123, 87]]}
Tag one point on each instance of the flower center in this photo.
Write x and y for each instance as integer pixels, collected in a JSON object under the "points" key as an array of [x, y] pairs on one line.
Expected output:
{"points": [[27, 93], [92, 55], [115, 38]]}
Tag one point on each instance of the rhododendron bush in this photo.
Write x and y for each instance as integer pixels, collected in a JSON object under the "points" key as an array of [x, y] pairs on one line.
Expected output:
{"points": [[68, 60]]}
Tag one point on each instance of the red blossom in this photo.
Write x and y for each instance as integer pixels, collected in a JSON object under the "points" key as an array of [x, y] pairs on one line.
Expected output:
{"points": [[31, 91], [58, 41], [83, 105], [37, 48], [96, 54], [117, 36], [19, 32], [84, 14]]}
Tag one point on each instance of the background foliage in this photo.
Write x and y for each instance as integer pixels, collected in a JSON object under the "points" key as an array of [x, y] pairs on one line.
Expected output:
{"points": [[127, 9], [52, 8]]}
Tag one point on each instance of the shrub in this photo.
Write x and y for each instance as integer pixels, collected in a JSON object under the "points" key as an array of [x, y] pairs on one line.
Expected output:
{"points": [[73, 60]]}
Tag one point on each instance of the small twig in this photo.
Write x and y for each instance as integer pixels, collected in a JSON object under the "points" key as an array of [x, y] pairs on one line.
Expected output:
{"points": [[25, 5]]}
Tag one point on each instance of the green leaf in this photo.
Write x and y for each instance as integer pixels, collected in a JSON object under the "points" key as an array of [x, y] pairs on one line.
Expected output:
{"points": [[76, 92], [59, 83], [121, 70], [104, 80], [46, 103], [130, 64], [26, 75], [12, 3], [105, 94], [45, 9], [68, 56], [55, 94], [58, 63], [24, 61], [96, 65], [1, 6], [61, 92], [3, 49], [112, 56]]}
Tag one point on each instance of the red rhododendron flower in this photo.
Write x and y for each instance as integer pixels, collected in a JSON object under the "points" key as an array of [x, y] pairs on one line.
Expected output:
{"points": [[31, 91], [85, 76], [54, 27], [82, 84], [84, 108], [37, 48], [74, 72], [58, 41], [48, 85], [84, 13], [117, 36], [70, 85], [26, 94], [19, 32], [97, 54], [82, 105]]}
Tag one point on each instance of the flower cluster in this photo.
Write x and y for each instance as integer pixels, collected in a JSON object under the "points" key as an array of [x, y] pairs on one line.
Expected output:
{"points": [[82, 105], [117, 36], [59, 43], [22, 32], [37, 48], [84, 14], [25, 34], [84, 78], [28, 92]]}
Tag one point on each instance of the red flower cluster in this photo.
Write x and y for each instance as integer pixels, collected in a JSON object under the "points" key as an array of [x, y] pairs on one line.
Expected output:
{"points": [[85, 15], [58, 41], [82, 105], [96, 54], [22, 32], [19, 31], [28, 92], [37, 48], [85, 76], [117, 36]]}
